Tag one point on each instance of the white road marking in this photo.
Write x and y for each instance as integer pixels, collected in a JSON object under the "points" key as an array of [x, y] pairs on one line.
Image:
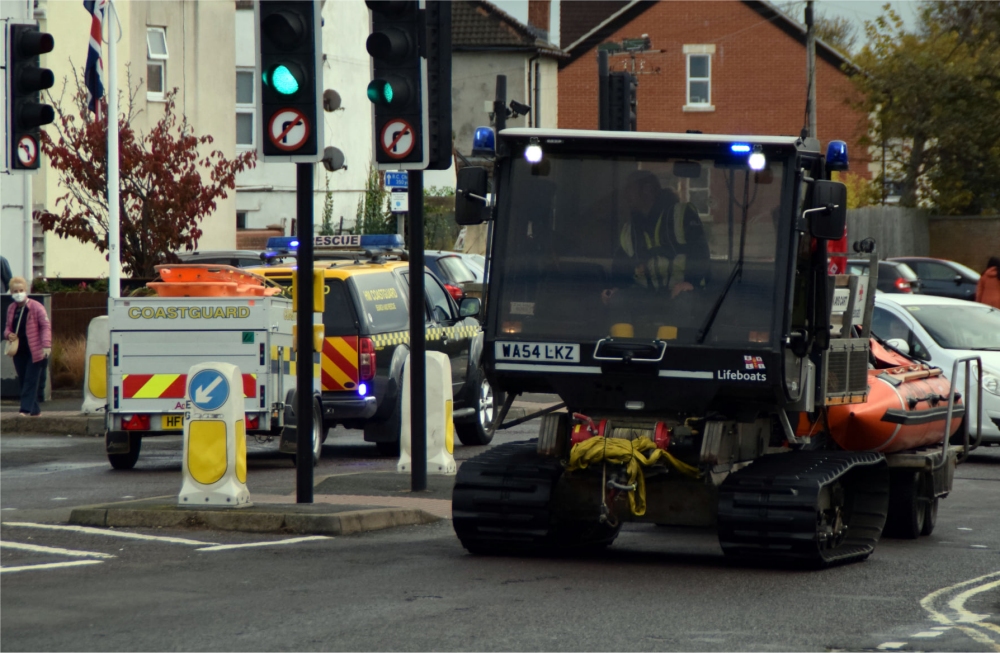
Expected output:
{"points": [[962, 528], [890, 646], [60, 498], [53, 550], [109, 533], [961, 616], [928, 633], [294, 540], [978, 546], [50, 565]]}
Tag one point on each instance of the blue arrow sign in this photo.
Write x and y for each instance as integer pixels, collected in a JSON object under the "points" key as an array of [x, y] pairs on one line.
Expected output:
{"points": [[208, 389], [397, 179]]}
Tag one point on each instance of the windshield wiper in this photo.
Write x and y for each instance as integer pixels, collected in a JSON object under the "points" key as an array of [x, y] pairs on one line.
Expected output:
{"points": [[737, 269], [984, 348]]}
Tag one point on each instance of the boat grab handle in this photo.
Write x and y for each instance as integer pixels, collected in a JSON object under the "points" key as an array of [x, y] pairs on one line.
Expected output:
{"points": [[967, 360]]}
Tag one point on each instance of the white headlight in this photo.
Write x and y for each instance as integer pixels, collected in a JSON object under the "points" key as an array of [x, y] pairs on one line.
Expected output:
{"points": [[533, 153], [991, 382]]}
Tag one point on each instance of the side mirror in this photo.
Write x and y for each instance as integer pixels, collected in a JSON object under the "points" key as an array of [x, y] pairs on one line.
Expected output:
{"points": [[828, 214], [899, 344], [958, 279], [470, 307], [470, 196]]}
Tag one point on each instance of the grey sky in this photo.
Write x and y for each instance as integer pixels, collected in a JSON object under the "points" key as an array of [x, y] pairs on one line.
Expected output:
{"points": [[857, 11]]}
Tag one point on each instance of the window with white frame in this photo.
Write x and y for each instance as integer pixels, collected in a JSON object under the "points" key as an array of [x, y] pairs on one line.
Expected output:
{"points": [[699, 77], [245, 107], [699, 192], [156, 62]]}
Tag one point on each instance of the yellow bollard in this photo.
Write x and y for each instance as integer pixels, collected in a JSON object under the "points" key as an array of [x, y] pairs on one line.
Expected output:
{"points": [[214, 464], [440, 427]]}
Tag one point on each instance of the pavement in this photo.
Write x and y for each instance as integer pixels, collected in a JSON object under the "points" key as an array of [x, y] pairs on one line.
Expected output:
{"points": [[342, 504]]}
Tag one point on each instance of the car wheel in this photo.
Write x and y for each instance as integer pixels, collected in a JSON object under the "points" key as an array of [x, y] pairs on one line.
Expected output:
{"points": [[479, 431], [386, 434], [127, 460]]}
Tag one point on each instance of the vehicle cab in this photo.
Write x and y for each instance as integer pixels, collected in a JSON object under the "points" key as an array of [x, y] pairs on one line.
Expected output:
{"points": [[642, 273]]}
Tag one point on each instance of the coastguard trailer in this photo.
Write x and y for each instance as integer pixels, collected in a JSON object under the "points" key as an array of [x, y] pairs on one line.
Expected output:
{"points": [[155, 340]]}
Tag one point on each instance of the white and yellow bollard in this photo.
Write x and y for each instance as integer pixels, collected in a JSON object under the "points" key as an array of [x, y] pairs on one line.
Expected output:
{"points": [[215, 441], [95, 374], [440, 427]]}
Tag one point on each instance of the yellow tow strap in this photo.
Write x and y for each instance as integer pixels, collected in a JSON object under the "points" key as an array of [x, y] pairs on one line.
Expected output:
{"points": [[626, 452]]}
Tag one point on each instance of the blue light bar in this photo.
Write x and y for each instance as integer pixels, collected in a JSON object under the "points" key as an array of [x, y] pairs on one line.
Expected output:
{"points": [[382, 241], [740, 148], [344, 241], [836, 156], [282, 242], [484, 142]]}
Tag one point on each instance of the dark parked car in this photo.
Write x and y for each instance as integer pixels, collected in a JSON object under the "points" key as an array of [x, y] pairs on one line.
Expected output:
{"points": [[893, 276], [942, 278], [452, 270]]}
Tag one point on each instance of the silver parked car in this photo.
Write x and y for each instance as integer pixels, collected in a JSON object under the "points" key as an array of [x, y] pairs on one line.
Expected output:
{"points": [[939, 330]]}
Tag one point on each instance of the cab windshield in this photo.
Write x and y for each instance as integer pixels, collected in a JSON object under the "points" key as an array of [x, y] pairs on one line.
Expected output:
{"points": [[639, 247]]}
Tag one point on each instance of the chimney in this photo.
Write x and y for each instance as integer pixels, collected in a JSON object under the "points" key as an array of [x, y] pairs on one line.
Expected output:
{"points": [[538, 15]]}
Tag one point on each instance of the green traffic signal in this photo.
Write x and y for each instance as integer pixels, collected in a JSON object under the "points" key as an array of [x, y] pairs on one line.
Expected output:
{"points": [[285, 79], [380, 92], [392, 91]]}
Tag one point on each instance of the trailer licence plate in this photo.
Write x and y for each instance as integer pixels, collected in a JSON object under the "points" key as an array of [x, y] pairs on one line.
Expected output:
{"points": [[173, 422]]}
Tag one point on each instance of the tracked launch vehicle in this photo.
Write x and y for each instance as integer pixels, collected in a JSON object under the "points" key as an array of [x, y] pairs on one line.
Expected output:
{"points": [[673, 290]]}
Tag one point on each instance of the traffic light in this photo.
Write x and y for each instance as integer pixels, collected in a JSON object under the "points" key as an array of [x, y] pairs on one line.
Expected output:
{"points": [[27, 79], [438, 21], [622, 87], [289, 80], [410, 45]]}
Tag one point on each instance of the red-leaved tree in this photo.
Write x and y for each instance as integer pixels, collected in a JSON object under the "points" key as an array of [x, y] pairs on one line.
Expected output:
{"points": [[170, 180]]}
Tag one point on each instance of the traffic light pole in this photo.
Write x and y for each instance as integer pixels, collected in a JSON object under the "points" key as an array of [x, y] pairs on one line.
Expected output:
{"points": [[418, 365], [29, 233], [304, 341], [114, 219]]}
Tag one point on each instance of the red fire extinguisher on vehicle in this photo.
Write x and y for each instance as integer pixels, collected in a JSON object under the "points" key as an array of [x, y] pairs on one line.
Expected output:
{"points": [[837, 264]]}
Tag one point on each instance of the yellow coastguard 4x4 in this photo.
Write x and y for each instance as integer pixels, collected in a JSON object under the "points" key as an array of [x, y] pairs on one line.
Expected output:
{"points": [[366, 323]]}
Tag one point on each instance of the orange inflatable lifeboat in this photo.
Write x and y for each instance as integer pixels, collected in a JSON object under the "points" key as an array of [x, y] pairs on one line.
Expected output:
{"points": [[907, 408], [200, 280]]}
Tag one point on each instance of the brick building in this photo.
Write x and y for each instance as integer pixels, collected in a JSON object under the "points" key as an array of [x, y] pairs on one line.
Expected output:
{"points": [[730, 67]]}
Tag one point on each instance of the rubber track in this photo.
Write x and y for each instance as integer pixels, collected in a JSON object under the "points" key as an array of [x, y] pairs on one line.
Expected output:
{"points": [[768, 511], [501, 499], [502, 504]]}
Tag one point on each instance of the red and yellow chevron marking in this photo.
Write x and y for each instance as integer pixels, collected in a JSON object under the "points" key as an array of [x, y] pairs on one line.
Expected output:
{"points": [[170, 386], [340, 363]]}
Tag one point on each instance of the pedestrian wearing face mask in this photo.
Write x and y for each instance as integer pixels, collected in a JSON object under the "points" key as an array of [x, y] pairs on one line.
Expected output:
{"points": [[28, 325]]}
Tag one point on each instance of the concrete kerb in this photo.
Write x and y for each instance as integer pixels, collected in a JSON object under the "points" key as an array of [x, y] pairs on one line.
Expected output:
{"points": [[68, 423], [307, 519], [55, 423]]}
